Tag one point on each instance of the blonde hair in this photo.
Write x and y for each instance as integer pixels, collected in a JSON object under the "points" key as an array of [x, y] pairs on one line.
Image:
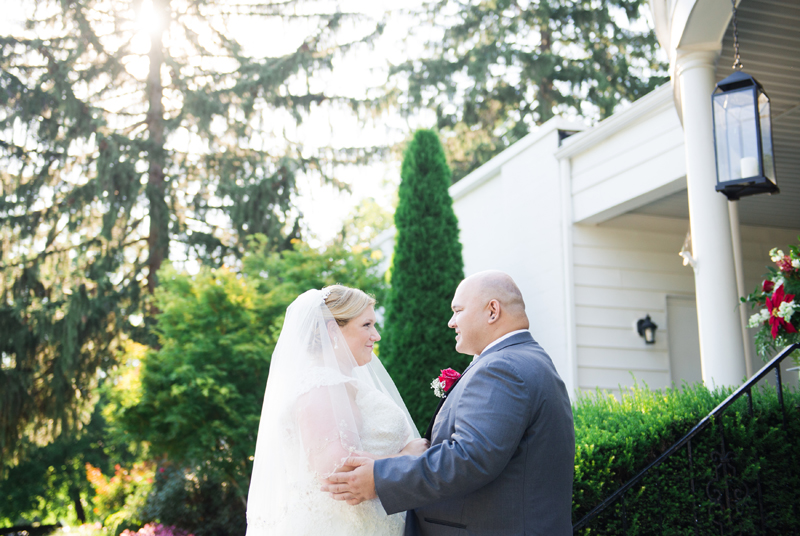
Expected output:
{"points": [[346, 303]]}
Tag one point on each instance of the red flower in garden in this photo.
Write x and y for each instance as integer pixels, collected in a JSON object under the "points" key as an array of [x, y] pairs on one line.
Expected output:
{"points": [[773, 305], [768, 286]]}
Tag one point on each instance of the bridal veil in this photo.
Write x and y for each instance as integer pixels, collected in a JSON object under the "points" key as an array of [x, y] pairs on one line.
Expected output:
{"points": [[309, 420]]}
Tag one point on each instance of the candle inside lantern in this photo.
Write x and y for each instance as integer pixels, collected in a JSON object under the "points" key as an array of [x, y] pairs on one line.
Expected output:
{"points": [[749, 166]]}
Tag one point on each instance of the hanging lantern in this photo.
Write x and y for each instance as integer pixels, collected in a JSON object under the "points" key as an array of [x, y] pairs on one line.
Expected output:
{"points": [[743, 137], [742, 132]]}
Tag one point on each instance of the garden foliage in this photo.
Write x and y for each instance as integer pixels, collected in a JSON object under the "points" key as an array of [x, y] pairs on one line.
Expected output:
{"points": [[191, 405], [49, 484], [200, 394], [615, 440], [426, 269], [195, 501], [127, 137], [197, 399], [119, 499]]}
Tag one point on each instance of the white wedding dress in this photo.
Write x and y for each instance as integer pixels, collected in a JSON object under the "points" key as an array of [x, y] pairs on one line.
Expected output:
{"points": [[308, 511], [320, 405]]}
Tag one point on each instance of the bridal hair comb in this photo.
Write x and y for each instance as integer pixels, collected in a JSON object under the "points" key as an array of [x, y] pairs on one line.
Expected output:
{"points": [[325, 294]]}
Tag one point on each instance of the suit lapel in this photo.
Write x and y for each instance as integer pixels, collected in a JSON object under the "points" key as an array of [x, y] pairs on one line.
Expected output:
{"points": [[441, 403]]}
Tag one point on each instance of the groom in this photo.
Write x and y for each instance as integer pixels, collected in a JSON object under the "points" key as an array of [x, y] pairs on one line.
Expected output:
{"points": [[502, 444]]}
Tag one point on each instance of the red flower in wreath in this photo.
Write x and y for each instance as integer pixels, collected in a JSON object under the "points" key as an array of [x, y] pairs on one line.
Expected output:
{"points": [[773, 305], [785, 264], [768, 286]]}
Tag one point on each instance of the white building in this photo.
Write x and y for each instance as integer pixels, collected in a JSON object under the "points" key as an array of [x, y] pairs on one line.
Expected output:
{"points": [[591, 225]]}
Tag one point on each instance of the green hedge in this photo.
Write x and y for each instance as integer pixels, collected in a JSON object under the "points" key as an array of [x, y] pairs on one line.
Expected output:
{"points": [[426, 269], [616, 439]]}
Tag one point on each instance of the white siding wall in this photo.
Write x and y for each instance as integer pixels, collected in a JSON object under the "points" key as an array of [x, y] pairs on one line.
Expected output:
{"points": [[625, 269], [513, 222], [631, 159]]}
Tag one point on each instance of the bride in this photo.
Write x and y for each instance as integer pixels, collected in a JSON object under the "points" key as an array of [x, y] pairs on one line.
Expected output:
{"points": [[327, 397]]}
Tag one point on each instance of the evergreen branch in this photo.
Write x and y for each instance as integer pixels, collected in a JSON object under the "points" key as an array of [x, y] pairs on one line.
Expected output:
{"points": [[295, 16], [82, 113], [19, 151], [131, 128], [44, 254]]}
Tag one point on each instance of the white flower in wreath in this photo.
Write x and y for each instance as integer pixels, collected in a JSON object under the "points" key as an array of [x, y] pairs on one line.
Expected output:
{"points": [[758, 318], [776, 254], [786, 310], [796, 264]]}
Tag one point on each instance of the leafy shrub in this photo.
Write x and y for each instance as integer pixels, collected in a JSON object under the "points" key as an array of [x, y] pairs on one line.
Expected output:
{"points": [[196, 502], [616, 439], [48, 485], [119, 500]]}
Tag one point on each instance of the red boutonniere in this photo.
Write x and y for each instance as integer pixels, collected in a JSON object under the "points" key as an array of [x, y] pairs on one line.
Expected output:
{"points": [[444, 382]]}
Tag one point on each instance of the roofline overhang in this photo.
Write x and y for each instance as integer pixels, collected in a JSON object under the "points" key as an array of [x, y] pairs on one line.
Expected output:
{"points": [[655, 101], [491, 168]]}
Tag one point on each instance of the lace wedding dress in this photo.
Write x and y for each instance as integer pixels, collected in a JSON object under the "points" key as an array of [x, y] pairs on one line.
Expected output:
{"points": [[307, 511], [320, 406]]}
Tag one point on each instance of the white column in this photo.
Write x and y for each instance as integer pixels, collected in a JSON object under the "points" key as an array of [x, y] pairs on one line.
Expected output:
{"points": [[565, 177], [721, 345], [744, 309]]}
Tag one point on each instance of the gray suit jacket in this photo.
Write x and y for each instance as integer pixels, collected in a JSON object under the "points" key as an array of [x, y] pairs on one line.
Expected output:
{"points": [[501, 457]]}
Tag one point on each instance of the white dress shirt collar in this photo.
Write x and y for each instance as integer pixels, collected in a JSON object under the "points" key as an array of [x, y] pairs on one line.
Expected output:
{"points": [[499, 340]]}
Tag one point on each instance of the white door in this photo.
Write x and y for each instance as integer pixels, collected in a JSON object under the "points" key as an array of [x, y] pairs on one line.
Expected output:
{"points": [[684, 340]]}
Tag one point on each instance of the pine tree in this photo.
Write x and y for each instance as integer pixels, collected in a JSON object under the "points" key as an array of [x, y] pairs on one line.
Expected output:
{"points": [[499, 67], [426, 269], [122, 143]]}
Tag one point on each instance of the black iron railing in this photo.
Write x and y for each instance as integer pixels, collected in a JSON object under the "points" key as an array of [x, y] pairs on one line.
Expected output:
{"points": [[727, 484]]}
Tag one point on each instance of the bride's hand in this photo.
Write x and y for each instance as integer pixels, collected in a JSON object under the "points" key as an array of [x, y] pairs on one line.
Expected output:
{"points": [[415, 447]]}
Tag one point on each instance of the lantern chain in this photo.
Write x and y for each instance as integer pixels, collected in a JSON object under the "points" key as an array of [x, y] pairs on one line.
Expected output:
{"points": [[737, 64]]}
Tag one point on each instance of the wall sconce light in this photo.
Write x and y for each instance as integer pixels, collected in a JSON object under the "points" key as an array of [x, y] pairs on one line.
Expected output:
{"points": [[647, 329]]}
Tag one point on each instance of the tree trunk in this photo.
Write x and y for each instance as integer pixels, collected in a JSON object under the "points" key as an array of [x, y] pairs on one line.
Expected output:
{"points": [[158, 239], [79, 511], [545, 95]]}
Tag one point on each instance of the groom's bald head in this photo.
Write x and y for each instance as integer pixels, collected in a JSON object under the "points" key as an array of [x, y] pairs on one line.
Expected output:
{"points": [[497, 285], [486, 306]]}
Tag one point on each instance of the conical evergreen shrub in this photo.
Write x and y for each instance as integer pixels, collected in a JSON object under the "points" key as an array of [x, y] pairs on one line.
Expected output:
{"points": [[426, 270]]}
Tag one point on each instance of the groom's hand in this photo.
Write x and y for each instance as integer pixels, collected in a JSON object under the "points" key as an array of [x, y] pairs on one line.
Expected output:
{"points": [[354, 486]]}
